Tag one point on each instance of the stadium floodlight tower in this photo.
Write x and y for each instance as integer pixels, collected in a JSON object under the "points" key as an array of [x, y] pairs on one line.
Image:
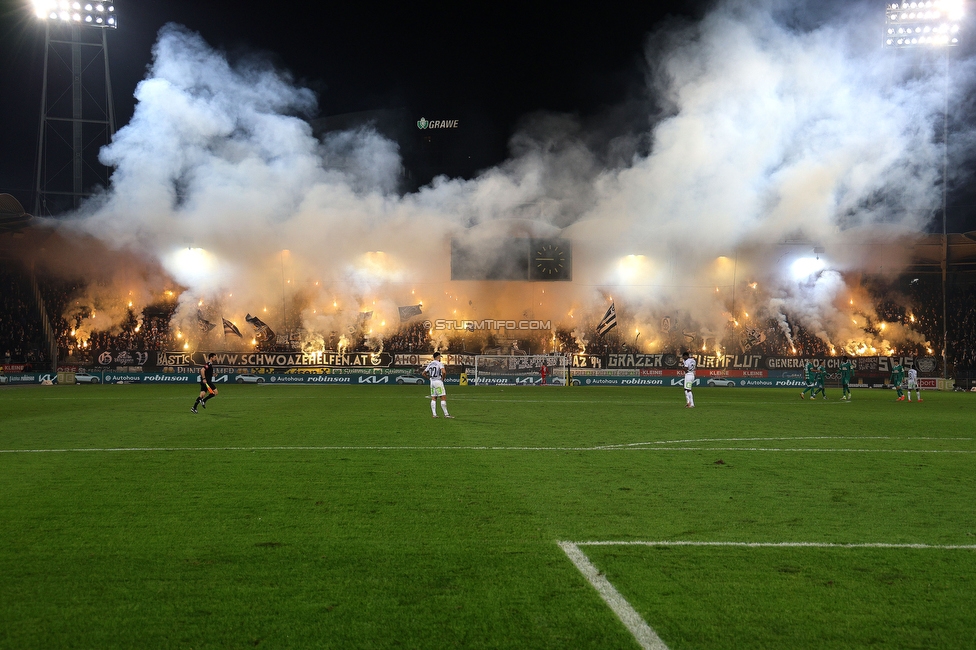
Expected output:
{"points": [[932, 24], [77, 113]]}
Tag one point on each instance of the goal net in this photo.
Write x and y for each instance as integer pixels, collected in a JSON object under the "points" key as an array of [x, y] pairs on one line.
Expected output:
{"points": [[523, 370]]}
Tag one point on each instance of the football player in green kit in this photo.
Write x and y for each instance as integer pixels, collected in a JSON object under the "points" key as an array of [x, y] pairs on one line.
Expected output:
{"points": [[821, 382], [846, 374], [810, 374], [898, 376]]}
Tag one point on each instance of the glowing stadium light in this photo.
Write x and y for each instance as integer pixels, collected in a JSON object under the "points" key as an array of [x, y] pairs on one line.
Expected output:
{"points": [[804, 267], [907, 23], [191, 265], [633, 269], [101, 14]]}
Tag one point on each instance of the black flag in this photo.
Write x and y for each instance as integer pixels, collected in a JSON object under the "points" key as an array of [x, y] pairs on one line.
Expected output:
{"points": [[608, 323], [204, 324], [264, 332], [230, 328]]}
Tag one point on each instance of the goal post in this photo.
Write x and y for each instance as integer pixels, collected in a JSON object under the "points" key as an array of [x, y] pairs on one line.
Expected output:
{"points": [[520, 370]]}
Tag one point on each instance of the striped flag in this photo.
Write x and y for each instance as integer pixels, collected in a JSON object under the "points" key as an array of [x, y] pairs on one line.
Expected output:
{"points": [[609, 321], [230, 328]]}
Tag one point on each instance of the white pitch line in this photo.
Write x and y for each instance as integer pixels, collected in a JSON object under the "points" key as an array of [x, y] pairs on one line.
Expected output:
{"points": [[831, 450], [767, 439], [665, 442], [296, 448], [943, 547], [643, 633], [479, 448]]}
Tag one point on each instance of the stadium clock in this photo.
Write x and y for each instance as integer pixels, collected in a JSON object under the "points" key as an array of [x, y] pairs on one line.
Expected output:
{"points": [[549, 260]]}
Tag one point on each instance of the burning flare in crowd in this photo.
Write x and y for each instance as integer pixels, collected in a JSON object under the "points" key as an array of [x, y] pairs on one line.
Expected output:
{"points": [[782, 172]]}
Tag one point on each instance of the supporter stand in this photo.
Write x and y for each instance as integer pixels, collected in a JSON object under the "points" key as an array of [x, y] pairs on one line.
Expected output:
{"points": [[912, 303], [21, 335]]}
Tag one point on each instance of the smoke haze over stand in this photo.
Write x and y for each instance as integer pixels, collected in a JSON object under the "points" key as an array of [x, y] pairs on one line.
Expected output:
{"points": [[770, 133]]}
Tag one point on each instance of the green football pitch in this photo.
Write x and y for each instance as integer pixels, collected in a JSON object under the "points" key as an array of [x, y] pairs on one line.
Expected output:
{"points": [[347, 517]]}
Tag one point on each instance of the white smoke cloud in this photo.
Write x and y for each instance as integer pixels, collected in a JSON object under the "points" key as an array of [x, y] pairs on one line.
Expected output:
{"points": [[770, 133]]}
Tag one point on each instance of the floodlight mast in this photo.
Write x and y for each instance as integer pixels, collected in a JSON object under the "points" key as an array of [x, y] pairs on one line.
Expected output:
{"points": [[67, 19], [931, 24]]}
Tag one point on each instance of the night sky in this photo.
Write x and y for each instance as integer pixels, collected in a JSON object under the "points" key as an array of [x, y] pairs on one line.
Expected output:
{"points": [[490, 66], [487, 66]]}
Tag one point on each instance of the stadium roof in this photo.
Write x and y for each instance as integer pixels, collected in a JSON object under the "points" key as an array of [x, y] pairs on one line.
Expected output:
{"points": [[12, 214], [961, 249]]}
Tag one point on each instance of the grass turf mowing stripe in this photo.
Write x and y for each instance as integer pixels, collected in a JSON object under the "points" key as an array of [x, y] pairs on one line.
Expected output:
{"points": [[643, 633]]}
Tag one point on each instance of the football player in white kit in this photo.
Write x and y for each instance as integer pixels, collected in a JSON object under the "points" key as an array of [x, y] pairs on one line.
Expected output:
{"points": [[913, 384], [689, 364], [435, 373]]}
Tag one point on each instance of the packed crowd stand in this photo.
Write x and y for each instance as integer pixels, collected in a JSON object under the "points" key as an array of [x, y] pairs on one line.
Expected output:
{"points": [[962, 330], [21, 338], [916, 304]]}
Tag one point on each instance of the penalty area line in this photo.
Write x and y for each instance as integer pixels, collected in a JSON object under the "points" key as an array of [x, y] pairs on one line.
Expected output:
{"points": [[688, 441], [646, 637], [941, 547]]}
